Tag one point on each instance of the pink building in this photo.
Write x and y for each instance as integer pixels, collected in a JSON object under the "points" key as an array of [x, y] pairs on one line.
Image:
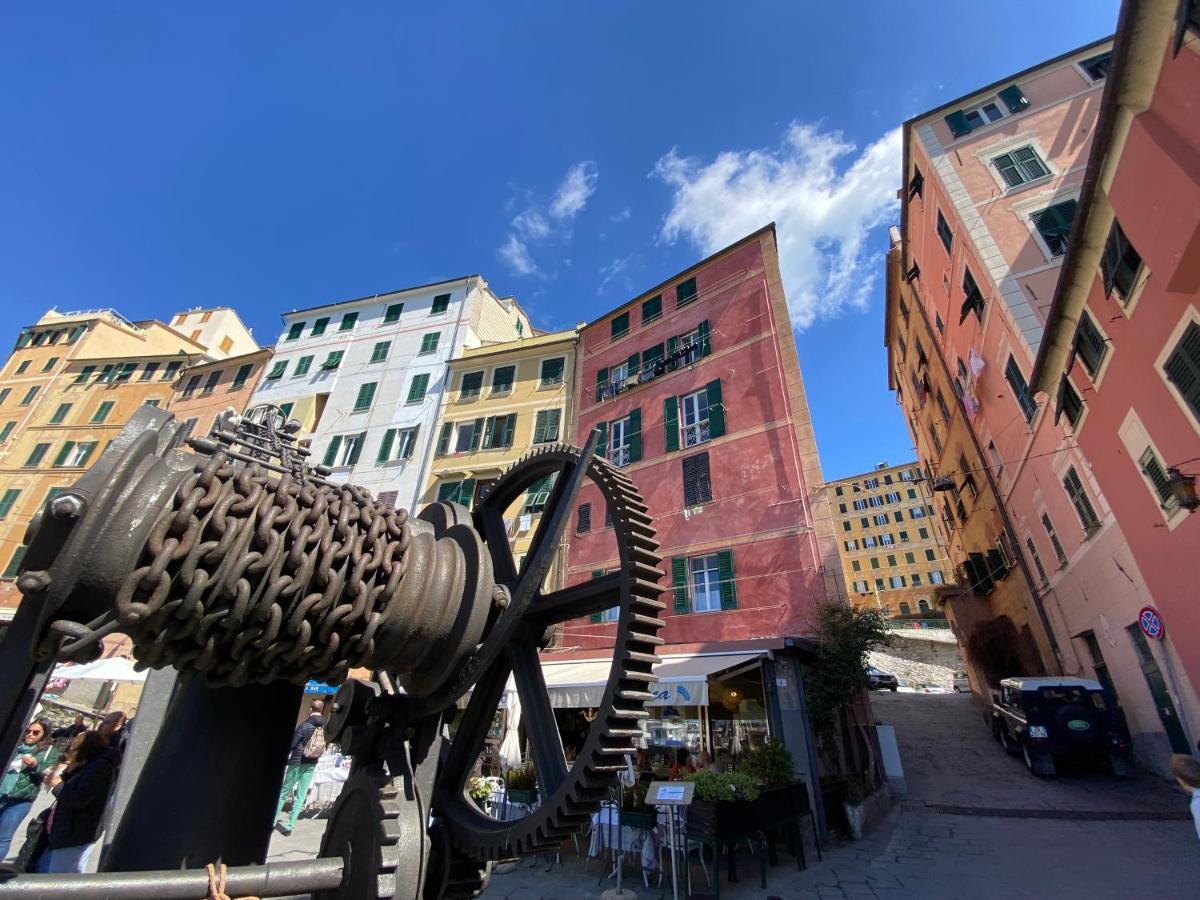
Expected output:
{"points": [[994, 181]]}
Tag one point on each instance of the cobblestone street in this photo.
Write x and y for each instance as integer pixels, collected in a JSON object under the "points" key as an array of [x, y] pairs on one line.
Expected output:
{"points": [[974, 823]]}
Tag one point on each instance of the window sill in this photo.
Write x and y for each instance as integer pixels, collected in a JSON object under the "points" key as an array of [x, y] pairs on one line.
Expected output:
{"points": [[1024, 186], [551, 386], [499, 393], [360, 409], [471, 398]]}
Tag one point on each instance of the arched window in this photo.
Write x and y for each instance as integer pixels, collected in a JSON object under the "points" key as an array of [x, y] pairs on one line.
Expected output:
{"points": [[923, 605], [904, 609]]}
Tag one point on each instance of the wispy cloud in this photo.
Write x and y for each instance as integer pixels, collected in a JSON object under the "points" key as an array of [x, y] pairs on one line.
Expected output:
{"points": [[824, 200], [537, 224], [622, 216], [612, 270]]}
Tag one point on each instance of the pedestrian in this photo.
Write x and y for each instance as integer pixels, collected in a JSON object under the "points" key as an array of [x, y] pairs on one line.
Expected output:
{"points": [[22, 778], [683, 765], [68, 732], [112, 729], [81, 793], [308, 743], [1187, 772]]}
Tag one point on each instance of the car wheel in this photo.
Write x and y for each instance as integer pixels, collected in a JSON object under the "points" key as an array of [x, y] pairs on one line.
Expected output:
{"points": [[1006, 741], [892, 689], [1038, 766]]}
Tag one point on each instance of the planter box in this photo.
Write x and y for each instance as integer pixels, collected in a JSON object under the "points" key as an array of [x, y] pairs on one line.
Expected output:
{"points": [[864, 817], [727, 820], [516, 795], [774, 805], [638, 819]]}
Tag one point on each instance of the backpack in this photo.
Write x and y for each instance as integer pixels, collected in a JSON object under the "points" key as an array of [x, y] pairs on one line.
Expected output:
{"points": [[315, 746]]}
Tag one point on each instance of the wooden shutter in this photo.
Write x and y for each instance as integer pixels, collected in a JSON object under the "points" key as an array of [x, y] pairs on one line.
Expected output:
{"points": [[584, 522], [716, 409], [510, 427], [602, 440], [679, 583], [958, 123], [1007, 167], [10, 497], [443, 446], [88, 450], [1183, 367], [671, 423], [601, 379], [598, 616], [697, 488], [385, 448], [553, 418], [466, 492], [332, 449], [1014, 98], [539, 427], [705, 338], [727, 584], [64, 453], [357, 451], [635, 363], [489, 432], [635, 434], [476, 434], [672, 348]]}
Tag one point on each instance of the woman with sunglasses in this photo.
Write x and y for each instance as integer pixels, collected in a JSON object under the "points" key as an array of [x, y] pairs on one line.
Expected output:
{"points": [[19, 786]]}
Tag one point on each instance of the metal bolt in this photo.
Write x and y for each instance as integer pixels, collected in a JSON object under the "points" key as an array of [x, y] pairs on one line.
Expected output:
{"points": [[67, 506], [500, 597], [335, 706], [32, 582]]}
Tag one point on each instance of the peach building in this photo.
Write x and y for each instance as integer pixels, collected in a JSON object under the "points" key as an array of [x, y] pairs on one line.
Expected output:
{"points": [[206, 389]]}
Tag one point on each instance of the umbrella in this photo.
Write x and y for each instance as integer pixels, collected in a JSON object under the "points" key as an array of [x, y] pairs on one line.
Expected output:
{"points": [[510, 747], [114, 668], [736, 748]]}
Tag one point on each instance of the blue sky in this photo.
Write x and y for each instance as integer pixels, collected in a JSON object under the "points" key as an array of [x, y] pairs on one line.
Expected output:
{"points": [[272, 156]]}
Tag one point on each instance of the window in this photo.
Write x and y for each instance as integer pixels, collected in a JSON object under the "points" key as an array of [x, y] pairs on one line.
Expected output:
{"points": [[214, 378], [874, 562], [171, 370], [1054, 541], [7, 501], [60, 414], [912, 494], [943, 230], [856, 565], [1090, 345], [869, 540], [697, 486], [348, 321], [1097, 67], [695, 418], [1054, 225], [344, 449], [332, 361], [1020, 389], [243, 375], [618, 452], [652, 309], [917, 512], [154, 402], [852, 544], [861, 587], [922, 533], [125, 372], [429, 343], [440, 304], [972, 298], [22, 367], [1037, 560], [50, 364], [302, 366], [417, 388], [896, 581], [468, 436], [1020, 166], [498, 431], [84, 374], [1079, 499], [294, 331], [887, 540], [842, 508], [73, 454], [845, 526], [875, 501], [471, 386], [937, 321], [583, 522], [903, 535], [366, 395], [319, 327], [1120, 263], [1156, 474], [148, 371], [1069, 401], [552, 371], [105, 408], [35, 457], [864, 522], [706, 588], [880, 519], [277, 371], [935, 577], [545, 426], [502, 379], [286, 409], [871, 483], [14, 564], [620, 325], [916, 185], [860, 503], [1183, 367], [685, 292], [29, 395], [967, 120], [379, 353], [538, 495]]}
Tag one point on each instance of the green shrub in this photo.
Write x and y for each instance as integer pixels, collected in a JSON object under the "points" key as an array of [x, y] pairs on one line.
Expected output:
{"points": [[521, 779], [770, 764], [719, 786]]}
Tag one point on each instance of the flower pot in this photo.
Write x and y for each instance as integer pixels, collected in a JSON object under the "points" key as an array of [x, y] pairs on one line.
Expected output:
{"points": [[638, 818], [516, 795], [856, 817], [722, 820]]}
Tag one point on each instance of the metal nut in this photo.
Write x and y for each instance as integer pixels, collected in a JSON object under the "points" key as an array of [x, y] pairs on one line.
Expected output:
{"points": [[67, 506], [32, 582]]}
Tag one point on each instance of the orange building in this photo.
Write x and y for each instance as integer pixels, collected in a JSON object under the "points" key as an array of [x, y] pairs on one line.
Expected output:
{"points": [[204, 390]]}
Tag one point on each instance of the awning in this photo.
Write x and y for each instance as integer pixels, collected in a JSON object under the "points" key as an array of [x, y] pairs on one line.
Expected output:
{"points": [[113, 668]]}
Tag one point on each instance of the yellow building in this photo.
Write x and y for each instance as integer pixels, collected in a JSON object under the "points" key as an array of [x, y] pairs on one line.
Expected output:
{"points": [[70, 385], [892, 556], [503, 400]]}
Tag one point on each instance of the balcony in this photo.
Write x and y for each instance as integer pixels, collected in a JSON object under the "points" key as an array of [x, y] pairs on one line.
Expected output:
{"points": [[619, 456], [695, 434], [684, 355]]}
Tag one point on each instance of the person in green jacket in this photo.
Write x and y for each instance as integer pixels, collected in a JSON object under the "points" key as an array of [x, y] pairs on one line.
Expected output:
{"points": [[22, 778]]}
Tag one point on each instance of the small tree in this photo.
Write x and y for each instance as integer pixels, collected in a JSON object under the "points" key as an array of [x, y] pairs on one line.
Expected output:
{"points": [[845, 635]]}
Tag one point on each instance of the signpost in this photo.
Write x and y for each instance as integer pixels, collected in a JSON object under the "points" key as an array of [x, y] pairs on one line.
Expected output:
{"points": [[1151, 623], [671, 794]]}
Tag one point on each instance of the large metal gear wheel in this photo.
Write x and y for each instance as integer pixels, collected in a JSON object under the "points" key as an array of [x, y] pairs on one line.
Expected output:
{"points": [[363, 830], [568, 794]]}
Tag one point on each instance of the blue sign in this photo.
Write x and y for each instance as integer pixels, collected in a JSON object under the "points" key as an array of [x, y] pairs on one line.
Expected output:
{"points": [[319, 687], [1151, 623]]}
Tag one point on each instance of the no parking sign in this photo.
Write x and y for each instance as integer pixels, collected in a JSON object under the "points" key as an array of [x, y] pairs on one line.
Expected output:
{"points": [[1151, 623]]}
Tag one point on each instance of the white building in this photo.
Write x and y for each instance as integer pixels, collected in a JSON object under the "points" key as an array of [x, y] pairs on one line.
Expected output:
{"points": [[219, 328], [365, 377]]}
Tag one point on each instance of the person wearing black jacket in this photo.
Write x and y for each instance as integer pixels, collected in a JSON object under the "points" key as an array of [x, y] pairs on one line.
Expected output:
{"points": [[300, 767], [81, 796]]}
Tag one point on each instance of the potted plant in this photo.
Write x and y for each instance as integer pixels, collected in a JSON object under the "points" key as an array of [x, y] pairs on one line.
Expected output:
{"points": [[723, 805], [478, 790], [634, 811], [864, 807], [522, 785], [771, 766]]}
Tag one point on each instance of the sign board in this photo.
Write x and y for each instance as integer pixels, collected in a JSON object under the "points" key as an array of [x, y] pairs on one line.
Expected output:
{"points": [[670, 793], [1151, 623]]}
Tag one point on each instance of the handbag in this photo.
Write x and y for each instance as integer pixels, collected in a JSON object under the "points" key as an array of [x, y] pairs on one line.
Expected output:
{"points": [[37, 835]]}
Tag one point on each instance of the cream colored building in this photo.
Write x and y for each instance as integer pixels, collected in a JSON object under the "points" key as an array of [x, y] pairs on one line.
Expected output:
{"points": [[219, 329], [892, 557], [502, 400]]}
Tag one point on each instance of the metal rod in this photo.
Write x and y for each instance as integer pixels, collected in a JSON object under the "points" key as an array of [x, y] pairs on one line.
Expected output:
{"points": [[271, 880]]}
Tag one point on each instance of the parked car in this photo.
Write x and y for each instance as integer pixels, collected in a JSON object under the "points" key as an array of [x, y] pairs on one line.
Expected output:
{"points": [[881, 681], [1049, 719], [962, 684]]}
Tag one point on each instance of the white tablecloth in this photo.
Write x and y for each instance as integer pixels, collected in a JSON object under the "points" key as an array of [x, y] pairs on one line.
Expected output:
{"points": [[605, 836], [331, 773]]}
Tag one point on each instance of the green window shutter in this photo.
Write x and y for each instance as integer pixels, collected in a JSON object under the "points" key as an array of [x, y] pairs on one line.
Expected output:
{"points": [[958, 123], [84, 374], [553, 418], [716, 409], [671, 423], [357, 451], [705, 338], [366, 393], [60, 413], [476, 434], [319, 327], [416, 390], [332, 449], [102, 411], [502, 379], [601, 379], [672, 348], [295, 331], [597, 617], [602, 440], [64, 453], [448, 491], [6, 431], [1183, 367], [510, 429], [635, 362], [635, 434], [7, 501], [679, 583], [652, 309], [14, 564], [393, 313], [88, 450], [685, 292], [620, 325], [302, 365], [380, 351], [466, 492], [725, 574], [489, 433], [1014, 99], [443, 446], [348, 321], [385, 448], [440, 303], [539, 427]]}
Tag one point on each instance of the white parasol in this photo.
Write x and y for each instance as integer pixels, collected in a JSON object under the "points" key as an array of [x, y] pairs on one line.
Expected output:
{"points": [[114, 668]]}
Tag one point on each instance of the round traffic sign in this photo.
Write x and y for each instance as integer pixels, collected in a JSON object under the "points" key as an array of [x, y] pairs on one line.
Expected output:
{"points": [[1151, 623]]}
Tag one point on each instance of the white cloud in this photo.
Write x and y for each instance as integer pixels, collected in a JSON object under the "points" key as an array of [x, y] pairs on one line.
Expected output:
{"points": [[823, 210], [612, 270], [516, 254], [572, 195], [622, 216], [532, 224]]}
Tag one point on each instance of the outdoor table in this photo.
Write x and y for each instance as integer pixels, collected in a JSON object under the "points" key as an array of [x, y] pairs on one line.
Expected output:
{"points": [[629, 838]]}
